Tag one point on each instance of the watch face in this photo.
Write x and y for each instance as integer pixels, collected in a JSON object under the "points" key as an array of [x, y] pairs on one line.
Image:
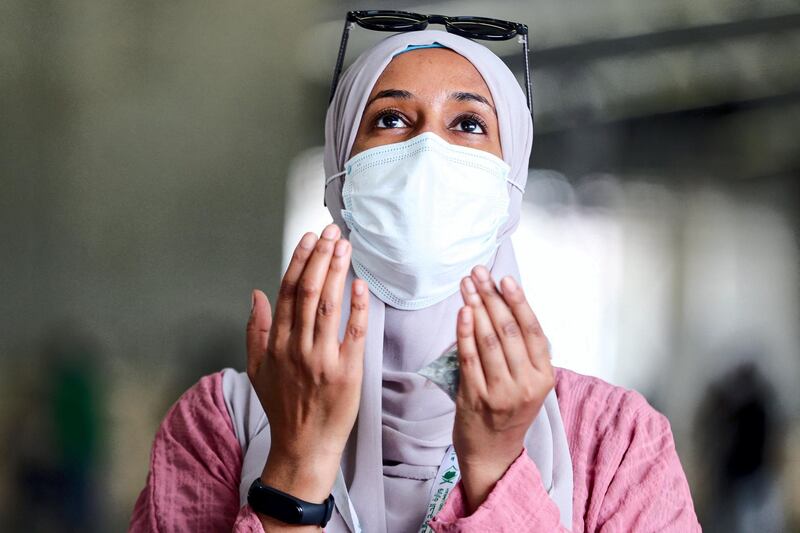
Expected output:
{"points": [[287, 508], [295, 512]]}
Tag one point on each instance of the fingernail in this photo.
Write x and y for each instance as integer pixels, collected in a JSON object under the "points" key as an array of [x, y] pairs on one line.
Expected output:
{"points": [[481, 273], [358, 287], [252, 301], [307, 242], [330, 232], [469, 286], [508, 284], [341, 248]]}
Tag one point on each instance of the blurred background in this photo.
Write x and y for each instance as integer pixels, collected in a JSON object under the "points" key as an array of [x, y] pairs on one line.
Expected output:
{"points": [[157, 159]]}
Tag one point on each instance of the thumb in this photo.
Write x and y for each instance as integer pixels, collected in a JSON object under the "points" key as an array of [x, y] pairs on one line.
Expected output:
{"points": [[258, 327]]}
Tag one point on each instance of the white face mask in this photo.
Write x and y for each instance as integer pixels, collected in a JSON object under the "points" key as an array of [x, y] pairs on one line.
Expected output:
{"points": [[421, 214]]}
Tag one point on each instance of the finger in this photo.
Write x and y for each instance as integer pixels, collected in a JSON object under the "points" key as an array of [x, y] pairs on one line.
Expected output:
{"points": [[309, 288], [352, 348], [472, 381], [535, 340], [258, 327], [287, 294], [329, 310], [490, 350], [504, 322]]}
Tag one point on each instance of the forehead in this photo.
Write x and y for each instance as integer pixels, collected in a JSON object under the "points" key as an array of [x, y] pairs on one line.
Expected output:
{"points": [[432, 71]]}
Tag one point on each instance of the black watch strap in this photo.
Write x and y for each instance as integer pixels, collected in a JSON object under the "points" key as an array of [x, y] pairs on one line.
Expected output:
{"points": [[286, 508]]}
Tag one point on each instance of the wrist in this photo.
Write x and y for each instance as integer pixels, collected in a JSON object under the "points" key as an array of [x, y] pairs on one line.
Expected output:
{"points": [[496, 458], [480, 474], [308, 478]]}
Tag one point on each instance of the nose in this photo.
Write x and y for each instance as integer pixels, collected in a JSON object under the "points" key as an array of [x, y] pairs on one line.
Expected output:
{"points": [[431, 124]]}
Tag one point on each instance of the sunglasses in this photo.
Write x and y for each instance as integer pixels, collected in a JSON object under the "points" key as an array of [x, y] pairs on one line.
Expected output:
{"points": [[485, 29]]}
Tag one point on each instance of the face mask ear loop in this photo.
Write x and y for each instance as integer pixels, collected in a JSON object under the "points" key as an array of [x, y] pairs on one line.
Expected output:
{"points": [[330, 179], [520, 189], [327, 181]]}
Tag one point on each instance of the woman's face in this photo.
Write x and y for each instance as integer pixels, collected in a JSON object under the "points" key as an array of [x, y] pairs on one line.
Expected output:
{"points": [[430, 90]]}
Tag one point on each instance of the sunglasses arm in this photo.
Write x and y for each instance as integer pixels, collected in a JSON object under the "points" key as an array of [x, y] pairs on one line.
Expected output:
{"points": [[348, 25], [528, 95]]}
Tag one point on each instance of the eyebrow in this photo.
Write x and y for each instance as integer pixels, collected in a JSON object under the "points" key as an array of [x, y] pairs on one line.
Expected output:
{"points": [[391, 93], [474, 97], [460, 96]]}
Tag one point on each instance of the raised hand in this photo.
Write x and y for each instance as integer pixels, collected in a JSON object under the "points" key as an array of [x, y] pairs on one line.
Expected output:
{"points": [[308, 383], [505, 376]]}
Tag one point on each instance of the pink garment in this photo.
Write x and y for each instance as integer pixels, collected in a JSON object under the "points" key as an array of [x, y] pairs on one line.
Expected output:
{"points": [[627, 476]]}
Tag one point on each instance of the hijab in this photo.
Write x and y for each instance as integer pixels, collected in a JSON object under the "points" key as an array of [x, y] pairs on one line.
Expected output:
{"points": [[404, 424]]}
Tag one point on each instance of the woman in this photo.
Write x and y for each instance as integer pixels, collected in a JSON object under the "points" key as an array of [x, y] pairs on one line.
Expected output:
{"points": [[427, 145]]}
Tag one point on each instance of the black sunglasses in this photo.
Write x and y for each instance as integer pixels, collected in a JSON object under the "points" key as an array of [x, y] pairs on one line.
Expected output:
{"points": [[485, 29]]}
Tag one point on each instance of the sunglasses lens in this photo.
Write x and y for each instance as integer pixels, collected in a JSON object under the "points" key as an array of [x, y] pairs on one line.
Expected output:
{"points": [[483, 28], [390, 20]]}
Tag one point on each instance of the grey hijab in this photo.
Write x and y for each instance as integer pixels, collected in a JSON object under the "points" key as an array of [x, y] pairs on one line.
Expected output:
{"points": [[405, 422]]}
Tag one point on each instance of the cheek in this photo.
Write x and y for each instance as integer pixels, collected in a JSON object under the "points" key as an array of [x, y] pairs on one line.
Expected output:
{"points": [[362, 143], [496, 149], [367, 138], [493, 145], [489, 143]]}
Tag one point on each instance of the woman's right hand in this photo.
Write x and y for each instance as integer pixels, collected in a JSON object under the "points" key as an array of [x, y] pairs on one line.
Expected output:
{"points": [[308, 383]]}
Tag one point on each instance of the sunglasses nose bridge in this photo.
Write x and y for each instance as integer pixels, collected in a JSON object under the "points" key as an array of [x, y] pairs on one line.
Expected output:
{"points": [[438, 19]]}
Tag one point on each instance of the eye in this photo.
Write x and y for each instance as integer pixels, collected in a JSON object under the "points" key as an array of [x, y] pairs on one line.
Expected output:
{"points": [[389, 119], [470, 124]]}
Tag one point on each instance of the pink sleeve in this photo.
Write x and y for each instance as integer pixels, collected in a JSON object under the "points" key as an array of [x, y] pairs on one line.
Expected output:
{"points": [[195, 465], [627, 478], [518, 502], [648, 490]]}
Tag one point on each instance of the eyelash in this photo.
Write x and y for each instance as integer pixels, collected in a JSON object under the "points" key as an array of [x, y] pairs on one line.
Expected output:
{"points": [[466, 116]]}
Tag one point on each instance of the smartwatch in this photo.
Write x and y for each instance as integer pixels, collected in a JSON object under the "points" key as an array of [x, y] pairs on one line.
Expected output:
{"points": [[286, 508]]}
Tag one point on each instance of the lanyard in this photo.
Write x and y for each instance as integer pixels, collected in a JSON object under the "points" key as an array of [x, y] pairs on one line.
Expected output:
{"points": [[446, 478]]}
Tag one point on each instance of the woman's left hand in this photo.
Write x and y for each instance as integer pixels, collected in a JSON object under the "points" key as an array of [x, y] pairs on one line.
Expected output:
{"points": [[505, 376]]}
